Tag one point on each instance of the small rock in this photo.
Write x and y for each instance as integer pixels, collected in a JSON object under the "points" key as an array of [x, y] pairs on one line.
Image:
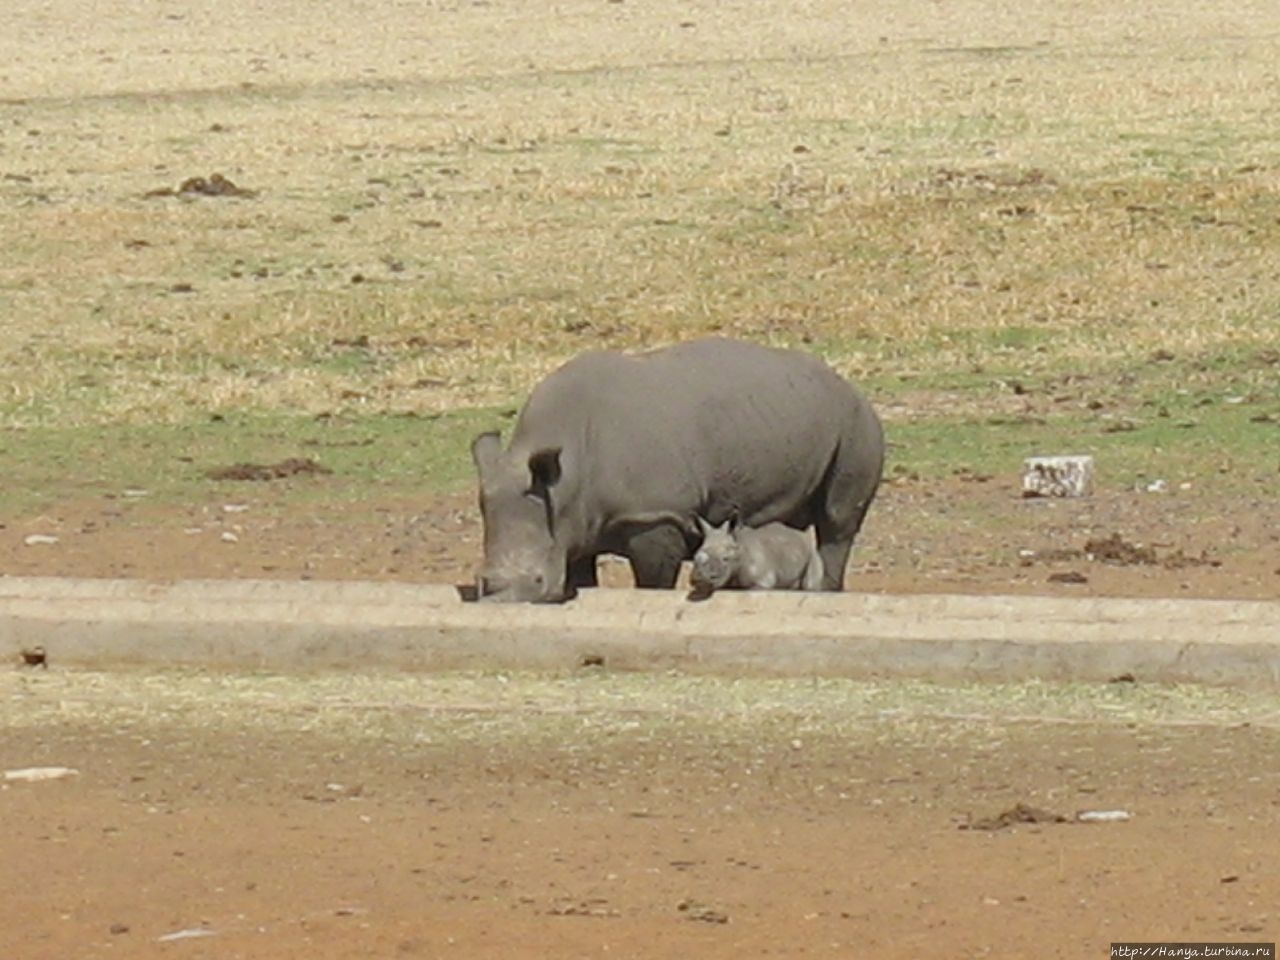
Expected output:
{"points": [[38, 539], [189, 934], [1061, 476], [229, 537], [1103, 816], [35, 774]]}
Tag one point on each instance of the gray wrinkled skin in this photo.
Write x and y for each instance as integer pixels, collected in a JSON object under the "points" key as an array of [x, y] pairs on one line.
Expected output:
{"points": [[772, 557], [615, 454]]}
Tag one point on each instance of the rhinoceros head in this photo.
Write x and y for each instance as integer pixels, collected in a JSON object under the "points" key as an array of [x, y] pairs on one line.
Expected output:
{"points": [[716, 561], [522, 560]]}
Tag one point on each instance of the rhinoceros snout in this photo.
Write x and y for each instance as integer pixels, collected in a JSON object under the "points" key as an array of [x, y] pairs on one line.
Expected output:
{"points": [[496, 588]]}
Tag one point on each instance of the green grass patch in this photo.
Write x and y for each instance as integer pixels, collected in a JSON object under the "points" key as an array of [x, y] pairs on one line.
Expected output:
{"points": [[1225, 447], [1209, 421], [369, 457]]}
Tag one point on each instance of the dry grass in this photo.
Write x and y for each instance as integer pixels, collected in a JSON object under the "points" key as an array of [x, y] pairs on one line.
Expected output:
{"points": [[529, 707], [454, 197]]}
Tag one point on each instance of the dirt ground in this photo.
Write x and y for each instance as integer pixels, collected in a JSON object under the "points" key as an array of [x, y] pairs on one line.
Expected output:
{"points": [[570, 172], [456, 817], [966, 534], [599, 815]]}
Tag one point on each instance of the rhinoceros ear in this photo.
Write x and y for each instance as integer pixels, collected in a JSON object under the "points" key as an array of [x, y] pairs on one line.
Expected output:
{"points": [[544, 469], [703, 527], [484, 451], [734, 522]]}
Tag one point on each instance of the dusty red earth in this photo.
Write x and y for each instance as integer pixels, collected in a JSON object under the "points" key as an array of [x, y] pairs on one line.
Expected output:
{"points": [[966, 534], [634, 841], [645, 840]]}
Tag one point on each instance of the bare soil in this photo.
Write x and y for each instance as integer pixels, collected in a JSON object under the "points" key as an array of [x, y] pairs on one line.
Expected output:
{"points": [[965, 534], [617, 834], [399, 821]]}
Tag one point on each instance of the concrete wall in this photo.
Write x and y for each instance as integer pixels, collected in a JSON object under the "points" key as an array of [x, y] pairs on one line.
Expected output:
{"points": [[245, 624]]}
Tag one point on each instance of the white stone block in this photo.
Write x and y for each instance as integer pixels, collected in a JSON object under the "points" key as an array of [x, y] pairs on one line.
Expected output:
{"points": [[1070, 476]]}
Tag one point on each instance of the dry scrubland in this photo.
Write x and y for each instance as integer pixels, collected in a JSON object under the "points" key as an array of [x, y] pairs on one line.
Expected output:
{"points": [[977, 207], [637, 816], [548, 709], [451, 197]]}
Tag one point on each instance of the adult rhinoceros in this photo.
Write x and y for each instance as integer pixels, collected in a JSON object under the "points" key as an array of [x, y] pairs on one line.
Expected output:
{"points": [[617, 454]]}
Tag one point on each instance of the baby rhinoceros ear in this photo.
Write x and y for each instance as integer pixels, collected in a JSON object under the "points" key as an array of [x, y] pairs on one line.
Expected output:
{"points": [[704, 528], [734, 522]]}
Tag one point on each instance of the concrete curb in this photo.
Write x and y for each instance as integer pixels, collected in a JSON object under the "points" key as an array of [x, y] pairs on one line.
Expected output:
{"points": [[289, 625]]}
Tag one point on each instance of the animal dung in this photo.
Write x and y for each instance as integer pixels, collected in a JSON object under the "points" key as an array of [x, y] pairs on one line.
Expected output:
{"points": [[292, 467], [1060, 476], [215, 185], [34, 657]]}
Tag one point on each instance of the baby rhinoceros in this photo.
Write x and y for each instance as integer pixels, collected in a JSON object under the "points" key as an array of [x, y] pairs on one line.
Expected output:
{"points": [[772, 557]]}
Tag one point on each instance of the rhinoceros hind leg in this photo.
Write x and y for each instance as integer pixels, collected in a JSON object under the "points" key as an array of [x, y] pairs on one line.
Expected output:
{"points": [[656, 555], [835, 554], [835, 535]]}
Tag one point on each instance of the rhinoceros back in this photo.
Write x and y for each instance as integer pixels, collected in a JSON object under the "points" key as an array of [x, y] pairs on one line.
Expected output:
{"points": [[706, 426]]}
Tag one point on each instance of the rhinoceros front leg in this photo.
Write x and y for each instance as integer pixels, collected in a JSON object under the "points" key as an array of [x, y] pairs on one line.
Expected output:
{"points": [[656, 555], [582, 573]]}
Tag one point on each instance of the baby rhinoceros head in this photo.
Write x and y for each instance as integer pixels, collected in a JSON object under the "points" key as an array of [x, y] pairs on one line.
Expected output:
{"points": [[717, 559]]}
